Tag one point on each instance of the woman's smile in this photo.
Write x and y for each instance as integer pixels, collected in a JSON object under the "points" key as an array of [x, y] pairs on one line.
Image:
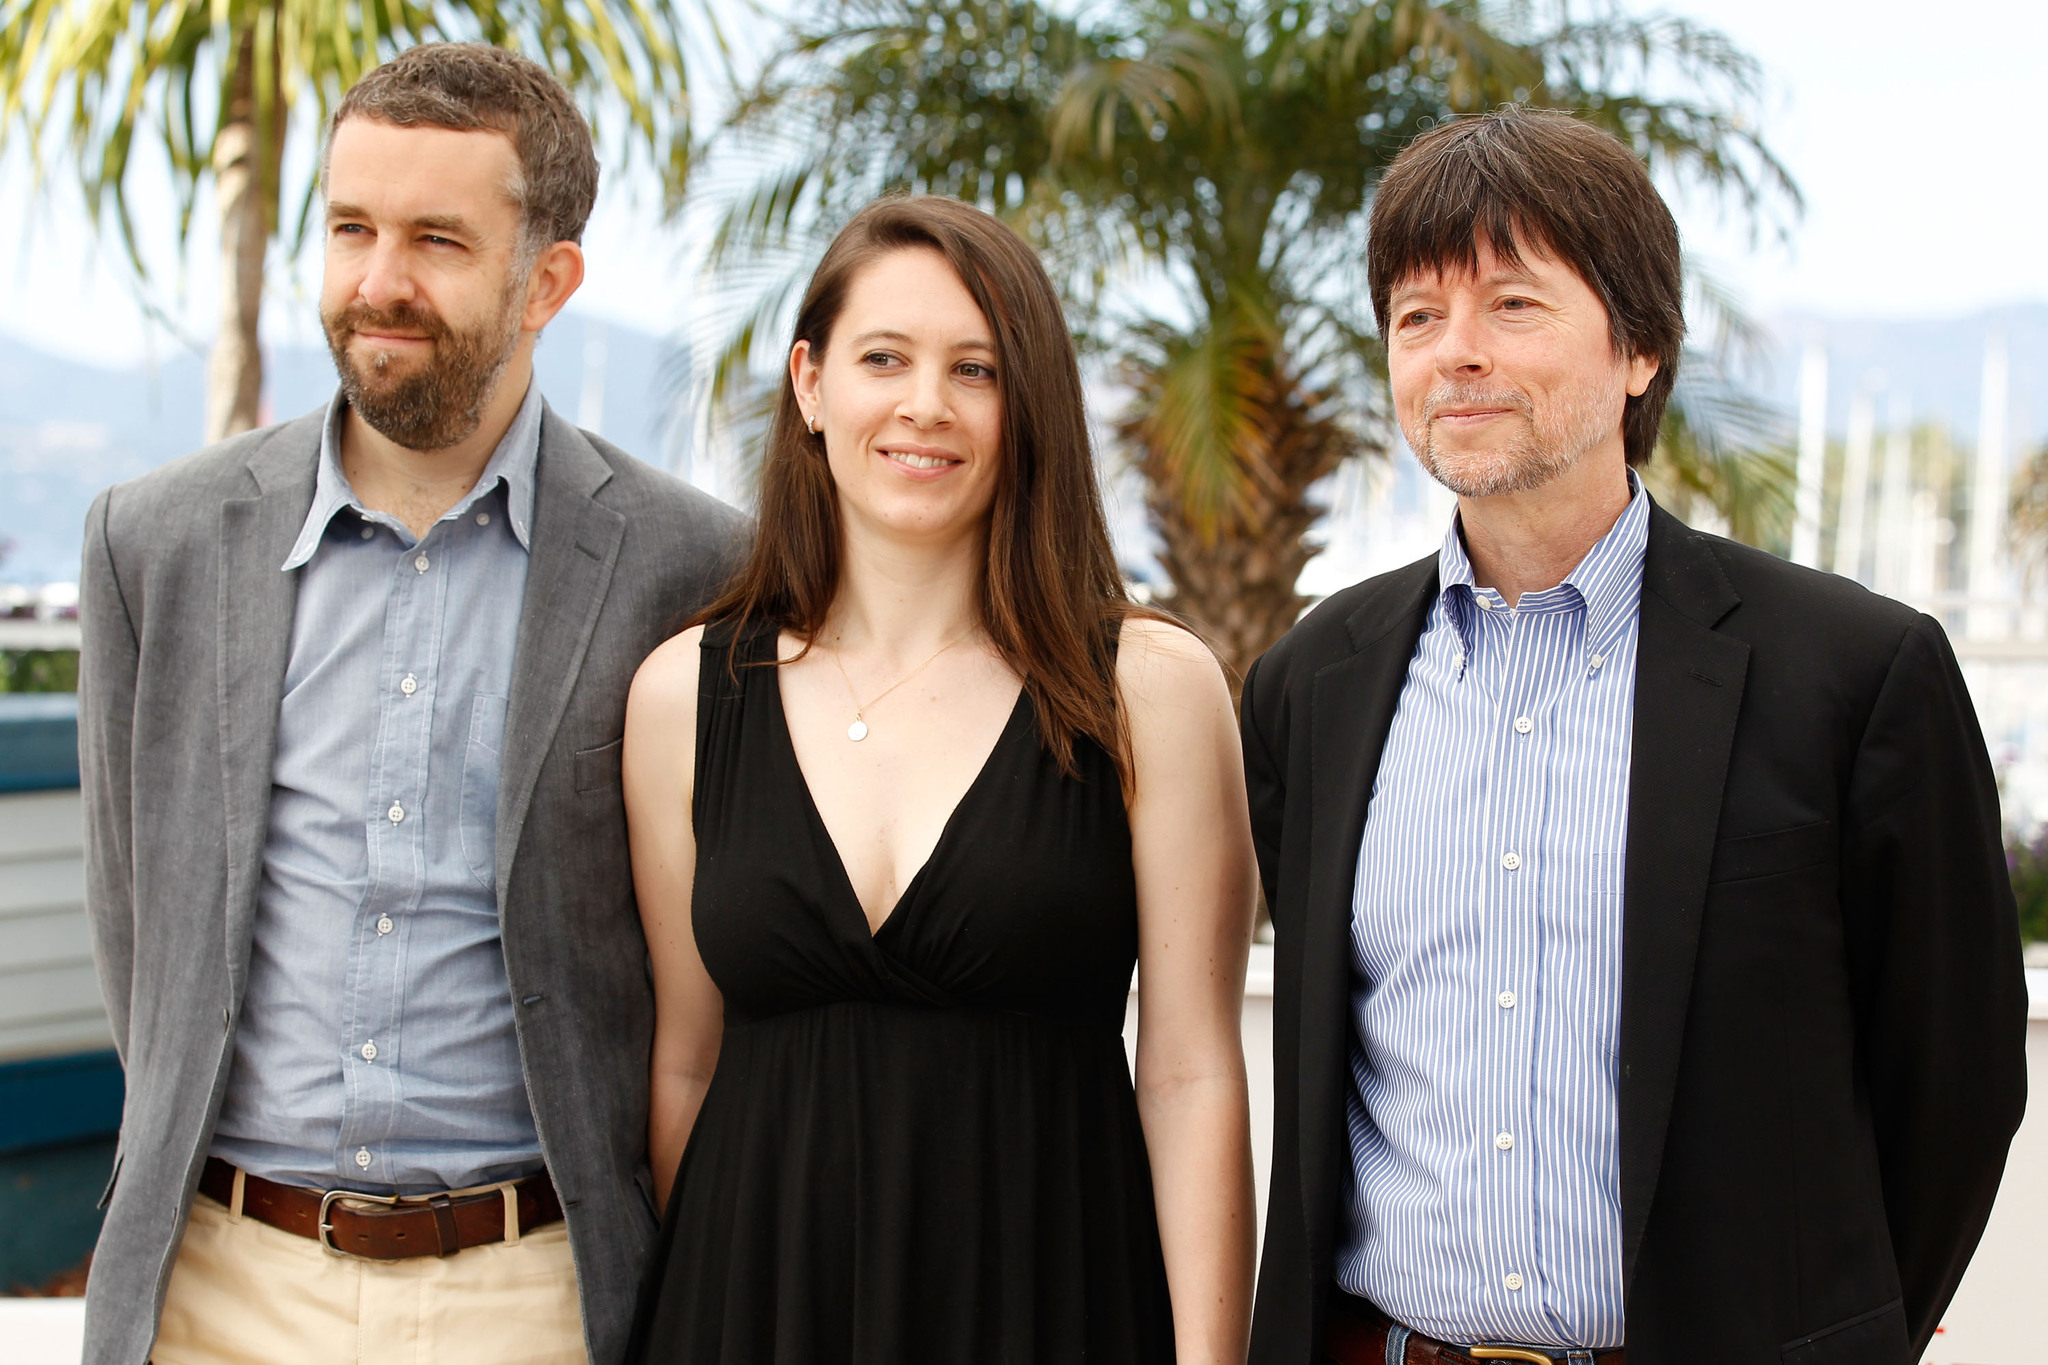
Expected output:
{"points": [[920, 461]]}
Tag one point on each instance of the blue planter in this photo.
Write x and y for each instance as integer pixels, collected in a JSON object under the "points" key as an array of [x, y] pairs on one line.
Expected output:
{"points": [[38, 741]]}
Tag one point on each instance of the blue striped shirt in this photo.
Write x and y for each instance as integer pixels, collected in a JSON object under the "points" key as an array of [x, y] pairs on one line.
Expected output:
{"points": [[1484, 1203]]}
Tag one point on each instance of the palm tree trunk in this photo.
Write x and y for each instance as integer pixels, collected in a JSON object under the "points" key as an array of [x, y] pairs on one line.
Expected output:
{"points": [[1236, 587], [234, 371], [1234, 578]]}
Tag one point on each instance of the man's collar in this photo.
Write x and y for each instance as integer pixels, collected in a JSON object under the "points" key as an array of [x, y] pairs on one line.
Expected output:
{"points": [[1610, 577], [1609, 580], [512, 463]]}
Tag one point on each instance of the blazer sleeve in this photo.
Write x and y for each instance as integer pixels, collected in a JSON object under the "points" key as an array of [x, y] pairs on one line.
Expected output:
{"points": [[1265, 777], [107, 669], [1935, 957]]}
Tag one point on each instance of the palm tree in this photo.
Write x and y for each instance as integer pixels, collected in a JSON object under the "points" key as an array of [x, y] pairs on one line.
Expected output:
{"points": [[1197, 174], [219, 86], [2027, 518], [1724, 451]]}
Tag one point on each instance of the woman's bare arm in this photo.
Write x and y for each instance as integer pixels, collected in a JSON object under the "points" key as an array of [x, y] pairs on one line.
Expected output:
{"points": [[660, 760], [1192, 849]]}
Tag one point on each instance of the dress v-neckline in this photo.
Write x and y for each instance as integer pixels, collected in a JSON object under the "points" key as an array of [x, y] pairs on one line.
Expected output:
{"points": [[817, 817]]}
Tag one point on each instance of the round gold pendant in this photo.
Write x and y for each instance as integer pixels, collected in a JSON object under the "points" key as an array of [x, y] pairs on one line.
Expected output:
{"points": [[857, 731]]}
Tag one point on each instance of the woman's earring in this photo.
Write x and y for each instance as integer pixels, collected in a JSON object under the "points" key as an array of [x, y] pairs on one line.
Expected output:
{"points": [[811, 425]]}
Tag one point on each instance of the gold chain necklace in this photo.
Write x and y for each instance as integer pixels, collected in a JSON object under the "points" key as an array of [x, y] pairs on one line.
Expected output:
{"points": [[858, 730]]}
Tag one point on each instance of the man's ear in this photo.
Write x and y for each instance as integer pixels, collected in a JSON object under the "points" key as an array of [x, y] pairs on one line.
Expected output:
{"points": [[557, 274], [1641, 370]]}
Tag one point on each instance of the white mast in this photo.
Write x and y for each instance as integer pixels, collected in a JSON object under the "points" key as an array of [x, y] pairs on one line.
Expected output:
{"points": [[1855, 486], [1893, 501], [1987, 616], [1813, 455]]}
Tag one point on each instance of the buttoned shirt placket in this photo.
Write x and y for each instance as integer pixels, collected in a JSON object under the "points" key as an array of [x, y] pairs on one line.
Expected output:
{"points": [[395, 831], [1486, 938], [1518, 693]]}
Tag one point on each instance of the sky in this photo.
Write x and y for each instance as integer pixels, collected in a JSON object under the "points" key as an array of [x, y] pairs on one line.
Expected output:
{"points": [[1909, 135]]}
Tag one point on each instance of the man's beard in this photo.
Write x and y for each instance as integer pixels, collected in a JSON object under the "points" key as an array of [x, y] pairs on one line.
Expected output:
{"points": [[439, 404], [1545, 446]]}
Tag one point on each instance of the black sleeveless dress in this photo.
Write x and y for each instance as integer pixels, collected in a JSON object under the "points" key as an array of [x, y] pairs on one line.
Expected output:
{"points": [[920, 1145]]}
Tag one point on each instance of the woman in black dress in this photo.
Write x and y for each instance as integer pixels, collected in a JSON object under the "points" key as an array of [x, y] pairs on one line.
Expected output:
{"points": [[905, 810]]}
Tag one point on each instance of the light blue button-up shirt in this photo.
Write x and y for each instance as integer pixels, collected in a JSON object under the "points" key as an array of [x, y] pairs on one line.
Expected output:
{"points": [[1485, 1199], [376, 1048]]}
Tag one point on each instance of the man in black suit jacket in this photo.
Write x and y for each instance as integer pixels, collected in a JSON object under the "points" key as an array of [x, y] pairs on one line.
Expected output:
{"points": [[1812, 1062]]}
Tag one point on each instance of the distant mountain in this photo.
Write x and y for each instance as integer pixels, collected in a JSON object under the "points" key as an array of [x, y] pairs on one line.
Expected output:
{"points": [[68, 429], [1936, 364]]}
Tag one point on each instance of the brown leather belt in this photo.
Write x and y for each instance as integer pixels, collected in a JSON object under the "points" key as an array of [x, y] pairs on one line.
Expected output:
{"points": [[381, 1228], [1357, 1334]]}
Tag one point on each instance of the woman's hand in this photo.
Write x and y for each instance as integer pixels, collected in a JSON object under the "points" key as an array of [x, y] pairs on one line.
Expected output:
{"points": [[1192, 849]]}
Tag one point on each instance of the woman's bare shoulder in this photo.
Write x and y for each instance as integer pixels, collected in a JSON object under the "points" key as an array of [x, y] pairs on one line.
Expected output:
{"points": [[1163, 663], [666, 685]]}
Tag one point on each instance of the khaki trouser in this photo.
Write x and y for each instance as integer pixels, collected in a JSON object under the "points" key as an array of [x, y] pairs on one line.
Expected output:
{"points": [[245, 1293]]}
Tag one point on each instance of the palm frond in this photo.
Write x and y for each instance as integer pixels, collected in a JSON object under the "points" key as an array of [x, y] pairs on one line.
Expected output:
{"points": [[103, 75], [1201, 413], [2027, 517], [1723, 448]]}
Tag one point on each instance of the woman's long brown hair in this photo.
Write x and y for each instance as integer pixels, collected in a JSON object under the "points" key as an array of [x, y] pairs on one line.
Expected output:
{"points": [[1051, 595]]}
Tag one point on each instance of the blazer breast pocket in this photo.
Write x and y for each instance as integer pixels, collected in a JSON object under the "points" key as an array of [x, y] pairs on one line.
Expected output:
{"points": [[1877, 1337], [1774, 853], [597, 770]]}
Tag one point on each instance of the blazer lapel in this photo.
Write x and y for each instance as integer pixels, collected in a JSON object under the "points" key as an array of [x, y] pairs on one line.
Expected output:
{"points": [[256, 602], [573, 548], [1689, 682], [1354, 702]]}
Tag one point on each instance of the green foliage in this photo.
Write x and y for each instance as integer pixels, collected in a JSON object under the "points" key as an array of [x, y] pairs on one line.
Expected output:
{"points": [[2027, 861], [1721, 447], [99, 74], [38, 670], [2027, 523], [1222, 154]]}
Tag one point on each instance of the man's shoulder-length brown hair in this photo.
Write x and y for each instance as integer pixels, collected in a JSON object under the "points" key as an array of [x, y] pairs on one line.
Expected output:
{"points": [[1539, 180]]}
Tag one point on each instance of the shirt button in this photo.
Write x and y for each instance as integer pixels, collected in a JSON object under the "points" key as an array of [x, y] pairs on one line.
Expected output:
{"points": [[1504, 1141], [409, 684], [483, 518], [1506, 999], [1523, 725], [363, 1158], [1512, 1280], [370, 1051], [396, 813], [1510, 861], [420, 563], [1599, 659], [384, 924], [369, 533]]}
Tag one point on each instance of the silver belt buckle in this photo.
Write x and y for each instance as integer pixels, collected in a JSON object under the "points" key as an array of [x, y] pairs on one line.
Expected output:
{"points": [[326, 1231]]}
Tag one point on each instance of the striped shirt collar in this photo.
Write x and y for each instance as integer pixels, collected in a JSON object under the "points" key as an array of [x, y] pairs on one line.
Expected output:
{"points": [[512, 463], [1608, 582]]}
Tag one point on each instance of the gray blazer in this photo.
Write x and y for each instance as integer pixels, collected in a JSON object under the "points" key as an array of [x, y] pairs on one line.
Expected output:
{"points": [[187, 626]]}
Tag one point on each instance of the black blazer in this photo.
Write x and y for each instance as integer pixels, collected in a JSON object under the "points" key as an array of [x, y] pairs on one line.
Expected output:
{"points": [[1823, 1014]]}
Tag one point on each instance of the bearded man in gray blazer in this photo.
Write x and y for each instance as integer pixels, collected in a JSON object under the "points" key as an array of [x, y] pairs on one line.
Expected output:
{"points": [[352, 700]]}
